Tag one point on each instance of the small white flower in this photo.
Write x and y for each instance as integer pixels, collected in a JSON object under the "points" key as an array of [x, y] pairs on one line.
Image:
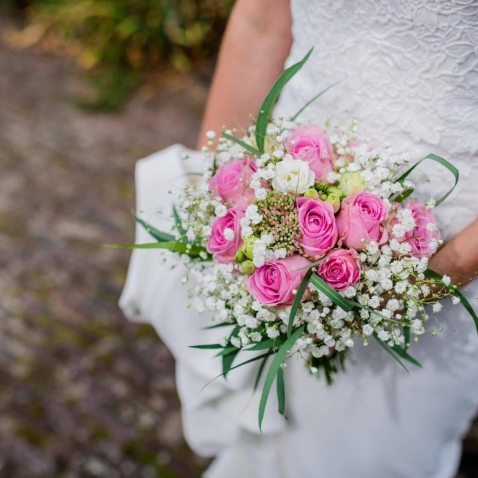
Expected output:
{"points": [[220, 210], [367, 329], [246, 231], [261, 194], [210, 135], [384, 335], [293, 176], [455, 300], [206, 231], [431, 227], [372, 247], [272, 332], [228, 234], [349, 343], [236, 341], [446, 280], [436, 307], [386, 284]]}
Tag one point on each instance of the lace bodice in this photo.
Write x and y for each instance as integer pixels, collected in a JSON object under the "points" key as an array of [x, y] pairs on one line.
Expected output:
{"points": [[410, 76]]}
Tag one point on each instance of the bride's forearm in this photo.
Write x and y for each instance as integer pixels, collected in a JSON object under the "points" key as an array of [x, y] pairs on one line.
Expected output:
{"points": [[458, 258], [255, 47]]}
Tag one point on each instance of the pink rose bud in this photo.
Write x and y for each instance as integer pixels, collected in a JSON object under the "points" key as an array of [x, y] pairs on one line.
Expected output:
{"points": [[309, 144], [276, 282], [317, 226], [341, 269], [231, 182], [424, 238], [224, 249], [361, 220]]}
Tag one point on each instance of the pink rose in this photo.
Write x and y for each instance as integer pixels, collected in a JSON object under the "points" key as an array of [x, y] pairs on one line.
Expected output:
{"points": [[224, 250], [311, 145], [340, 269], [362, 216], [275, 282], [317, 226], [231, 181], [426, 230]]}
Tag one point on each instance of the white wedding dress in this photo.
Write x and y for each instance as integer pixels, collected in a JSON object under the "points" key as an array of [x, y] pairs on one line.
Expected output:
{"points": [[410, 77]]}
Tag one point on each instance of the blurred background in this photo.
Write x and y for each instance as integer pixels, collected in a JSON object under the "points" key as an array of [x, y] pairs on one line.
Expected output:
{"points": [[87, 87]]}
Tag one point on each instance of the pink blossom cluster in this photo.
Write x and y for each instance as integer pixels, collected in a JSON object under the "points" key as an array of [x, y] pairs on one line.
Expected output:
{"points": [[332, 237]]}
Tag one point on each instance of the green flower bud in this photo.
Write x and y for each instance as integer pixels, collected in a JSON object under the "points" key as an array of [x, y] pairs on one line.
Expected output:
{"points": [[311, 193], [247, 267], [248, 246], [334, 200], [240, 256], [351, 183], [321, 186], [335, 190]]}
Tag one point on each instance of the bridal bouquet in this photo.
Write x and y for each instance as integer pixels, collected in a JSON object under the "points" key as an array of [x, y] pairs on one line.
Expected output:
{"points": [[304, 240]]}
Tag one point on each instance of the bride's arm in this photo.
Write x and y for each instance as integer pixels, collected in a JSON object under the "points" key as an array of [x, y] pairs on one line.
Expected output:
{"points": [[458, 258], [255, 46]]}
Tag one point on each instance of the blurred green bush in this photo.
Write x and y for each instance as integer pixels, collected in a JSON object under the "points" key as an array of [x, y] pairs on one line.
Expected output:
{"points": [[119, 41]]}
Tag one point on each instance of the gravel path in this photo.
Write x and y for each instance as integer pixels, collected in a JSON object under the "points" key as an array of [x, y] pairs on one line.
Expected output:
{"points": [[83, 393]]}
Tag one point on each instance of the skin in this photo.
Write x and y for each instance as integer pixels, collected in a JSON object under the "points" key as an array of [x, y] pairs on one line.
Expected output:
{"points": [[256, 44]]}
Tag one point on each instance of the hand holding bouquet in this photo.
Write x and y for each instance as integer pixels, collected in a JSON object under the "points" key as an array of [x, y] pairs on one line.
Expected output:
{"points": [[304, 240]]}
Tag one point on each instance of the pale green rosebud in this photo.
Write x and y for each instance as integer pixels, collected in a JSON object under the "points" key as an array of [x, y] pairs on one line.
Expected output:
{"points": [[334, 200], [311, 193], [247, 267], [321, 186], [248, 246], [240, 256], [351, 183]]}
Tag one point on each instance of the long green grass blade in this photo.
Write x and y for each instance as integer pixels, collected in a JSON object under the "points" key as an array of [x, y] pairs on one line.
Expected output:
{"points": [[217, 326], [281, 391], [441, 161], [227, 361], [268, 344], [158, 235], [243, 144], [390, 352], [267, 354], [178, 247], [332, 294], [206, 346], [297, 300], [260, 372], [430, 273], [318, 95], [406, 356], [274, 369], [268, 105]]}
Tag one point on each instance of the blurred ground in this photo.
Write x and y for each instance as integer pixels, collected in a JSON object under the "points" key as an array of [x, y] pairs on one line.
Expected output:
{"points": [[82, 392]]}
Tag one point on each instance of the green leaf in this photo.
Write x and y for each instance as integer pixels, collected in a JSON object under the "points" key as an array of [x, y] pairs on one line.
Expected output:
{"points": [[241, 143], [268, 105], [227, 362], [178, 247], [222, 324], [158, 235], [260, 371], [274, 369], [406, 334], [430, 273], [406, 356], [227, 351], [439, 160], [390, 352], [206, 346], [318, 95], [179, 223], [268, 354], [281, 391], [267, 344], [297, 300], [332, 294]]}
